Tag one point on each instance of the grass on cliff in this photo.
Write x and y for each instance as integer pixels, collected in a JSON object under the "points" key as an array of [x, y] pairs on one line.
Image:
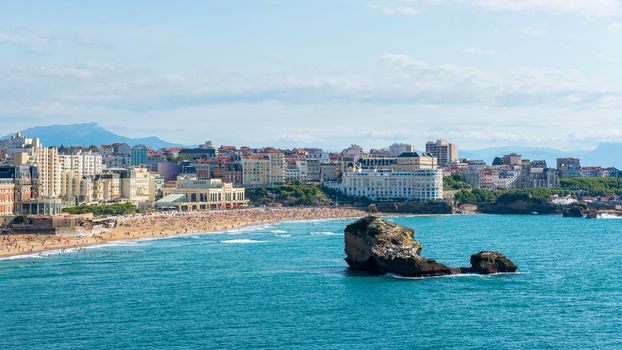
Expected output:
{"points": [[295, 193], [593, 186], [502, 197], [103, 210]]}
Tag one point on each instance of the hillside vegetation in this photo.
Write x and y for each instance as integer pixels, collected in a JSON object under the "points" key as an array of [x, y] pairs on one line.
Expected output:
{"points": [[295, 193]]}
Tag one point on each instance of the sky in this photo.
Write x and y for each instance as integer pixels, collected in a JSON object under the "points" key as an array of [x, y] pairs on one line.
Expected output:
{"points": [[324, 73]]}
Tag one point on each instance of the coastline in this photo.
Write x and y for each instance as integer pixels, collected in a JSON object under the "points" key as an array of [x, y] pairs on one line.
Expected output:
{"points": [[162, 225]]}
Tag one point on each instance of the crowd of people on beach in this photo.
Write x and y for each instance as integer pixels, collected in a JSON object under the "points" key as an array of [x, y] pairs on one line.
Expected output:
{"points": [[163, 224]]}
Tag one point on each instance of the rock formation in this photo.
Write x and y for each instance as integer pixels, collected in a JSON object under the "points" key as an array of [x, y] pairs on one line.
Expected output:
{"points": [[380, 247], [575, 210]]}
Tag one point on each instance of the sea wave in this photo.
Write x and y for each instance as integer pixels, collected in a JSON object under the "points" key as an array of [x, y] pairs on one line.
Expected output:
{"points": [[608, 216], [282, 235], [241, 241], [324, 233], [391, 275], [24, 256]]}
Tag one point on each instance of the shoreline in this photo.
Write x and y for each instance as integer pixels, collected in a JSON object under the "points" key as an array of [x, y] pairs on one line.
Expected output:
{"points": [[174, 224], [166, 225]]}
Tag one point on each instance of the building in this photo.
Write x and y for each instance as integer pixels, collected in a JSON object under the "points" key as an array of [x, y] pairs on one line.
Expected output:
{"points": [[139, 155], [512, 159], [535, 174], [375, 163], [25, 179], [107, 187], [411, 161], [419, 185], [197, 153], [398, 148], [191, 193], [168, 170], [117, 161], [313, 169], [136, 184], [444, 151], [45, 206], [26, 151], [596, 171], [121, 149], [76, 189], [7, 197], [593, 172], [81, 163], [329, 172], [266, 169], [569, 167]]}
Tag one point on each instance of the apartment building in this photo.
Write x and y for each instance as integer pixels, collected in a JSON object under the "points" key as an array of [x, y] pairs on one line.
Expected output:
{"points": [[266, 169], [81, 163], [444, 151], [27, 151]]}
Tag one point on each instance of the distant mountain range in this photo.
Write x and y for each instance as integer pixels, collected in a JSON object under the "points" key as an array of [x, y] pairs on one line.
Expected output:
{"points": [[87, 134], [606, 154]]}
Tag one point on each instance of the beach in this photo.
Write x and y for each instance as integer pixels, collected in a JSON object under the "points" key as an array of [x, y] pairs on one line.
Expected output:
{"points": [[155, 225]]}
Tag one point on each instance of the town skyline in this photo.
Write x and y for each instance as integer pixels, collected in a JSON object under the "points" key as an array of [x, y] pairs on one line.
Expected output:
{"points": [[86, 127], [323, 73]]}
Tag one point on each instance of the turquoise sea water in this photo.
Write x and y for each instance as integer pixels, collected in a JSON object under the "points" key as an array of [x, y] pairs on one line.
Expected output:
{"points": [[287, 286]]}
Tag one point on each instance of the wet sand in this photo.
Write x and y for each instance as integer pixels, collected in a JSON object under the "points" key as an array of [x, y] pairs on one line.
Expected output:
{"points": [[169, 224]]}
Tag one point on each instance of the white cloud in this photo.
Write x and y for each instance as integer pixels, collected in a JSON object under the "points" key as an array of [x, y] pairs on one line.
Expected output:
{"points": [[15, 38], [404, 94], [398, 10], [598, 8], [591, 8], [480, 52]]}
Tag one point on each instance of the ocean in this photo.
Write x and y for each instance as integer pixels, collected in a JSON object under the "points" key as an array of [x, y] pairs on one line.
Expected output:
{"points": [[287, 286]]}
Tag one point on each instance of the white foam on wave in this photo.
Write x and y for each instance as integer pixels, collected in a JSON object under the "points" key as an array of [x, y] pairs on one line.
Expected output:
{"points": [[25, 256], [282, 235], [324, 233], [278, 231], [474, 275], [608, 216], [241, 241], [241, 230]]}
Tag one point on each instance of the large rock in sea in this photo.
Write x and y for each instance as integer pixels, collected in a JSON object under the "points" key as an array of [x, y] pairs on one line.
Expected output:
{"points": [[379, 247]]}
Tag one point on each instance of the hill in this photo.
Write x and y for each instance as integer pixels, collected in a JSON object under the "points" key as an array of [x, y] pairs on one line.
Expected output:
{"points": [[87, 134]]}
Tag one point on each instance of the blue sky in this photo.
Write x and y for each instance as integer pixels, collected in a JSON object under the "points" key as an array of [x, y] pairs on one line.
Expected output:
{"points": [[319, 73]]}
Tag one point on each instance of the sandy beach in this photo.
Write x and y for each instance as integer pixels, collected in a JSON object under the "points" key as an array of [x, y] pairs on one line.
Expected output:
{"points": [[169, 224]]}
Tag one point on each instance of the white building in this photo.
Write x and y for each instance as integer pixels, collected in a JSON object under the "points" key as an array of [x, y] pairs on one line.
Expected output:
{"points": [[22, 150], [81, 163], [420, 185]]}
